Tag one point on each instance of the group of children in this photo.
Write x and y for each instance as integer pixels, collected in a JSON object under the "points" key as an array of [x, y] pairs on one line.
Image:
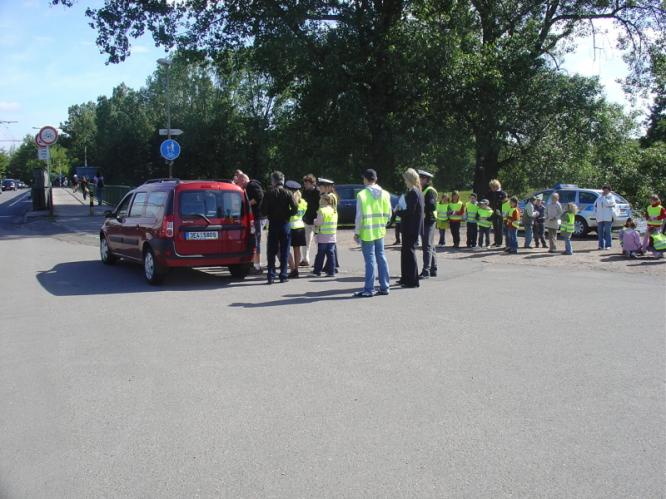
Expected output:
{"points": [[654, 240]]}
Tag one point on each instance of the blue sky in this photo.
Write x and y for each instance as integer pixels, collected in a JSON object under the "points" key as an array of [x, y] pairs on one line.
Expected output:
{"points": [[49, 62]]}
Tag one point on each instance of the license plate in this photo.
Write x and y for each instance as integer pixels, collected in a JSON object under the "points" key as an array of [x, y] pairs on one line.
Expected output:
{"points": [[201, 236]]}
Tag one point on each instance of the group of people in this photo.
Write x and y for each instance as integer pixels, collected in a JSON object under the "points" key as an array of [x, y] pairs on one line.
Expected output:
{"points": [[84, 183], [654, 239], [299, 214]]}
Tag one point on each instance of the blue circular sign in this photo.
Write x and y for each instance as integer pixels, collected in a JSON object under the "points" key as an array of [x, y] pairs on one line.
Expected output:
{"points": [[170, 149]]}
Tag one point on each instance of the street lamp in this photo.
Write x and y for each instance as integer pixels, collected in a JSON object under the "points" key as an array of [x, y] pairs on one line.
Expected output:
{"points": [[167, 64]]}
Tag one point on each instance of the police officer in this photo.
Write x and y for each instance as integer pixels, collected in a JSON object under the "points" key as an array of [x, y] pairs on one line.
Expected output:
{"points": [[429, 222]]}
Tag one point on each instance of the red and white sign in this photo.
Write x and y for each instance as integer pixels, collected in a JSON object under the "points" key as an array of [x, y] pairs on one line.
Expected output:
{"points": [[48, 135], [39, 141]]}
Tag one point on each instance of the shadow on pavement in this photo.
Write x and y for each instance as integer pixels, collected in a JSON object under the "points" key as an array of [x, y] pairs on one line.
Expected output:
{"points": [[543, 255], [661, 261], [302, 299], [91, 277]]}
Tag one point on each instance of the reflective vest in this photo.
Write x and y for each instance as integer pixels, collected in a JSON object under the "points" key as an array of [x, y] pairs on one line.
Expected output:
{"points": [[484, 215], [653, 212], [453, 208], [329, 226], [296, 222], [442, 212], [515, 224], [658, 241], [506, 209], [567, 226], [471, 209], [425, 191], [375, 213]]}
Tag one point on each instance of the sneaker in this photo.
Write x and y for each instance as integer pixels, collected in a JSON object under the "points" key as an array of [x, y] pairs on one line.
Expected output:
{"points": [[433, 273], [330, 275], [316, 274], [424, 275], [293, 274], [304, 264], [383, 292], [283, 279], [363, 294]]}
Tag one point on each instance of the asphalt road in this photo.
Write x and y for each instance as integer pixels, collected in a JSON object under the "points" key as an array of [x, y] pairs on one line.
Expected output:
{"points": [[13, 205], [489, 381]]}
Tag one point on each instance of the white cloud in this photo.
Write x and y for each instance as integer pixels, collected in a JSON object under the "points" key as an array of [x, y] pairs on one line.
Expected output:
{"points": [[9, 107]]}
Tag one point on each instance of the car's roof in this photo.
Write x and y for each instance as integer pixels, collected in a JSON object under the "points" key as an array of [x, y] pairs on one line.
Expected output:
{"points": [[183, 185]]}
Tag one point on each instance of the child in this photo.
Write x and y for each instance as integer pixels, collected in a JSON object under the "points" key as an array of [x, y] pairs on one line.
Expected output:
{"points": [[539, 219], [568, 226], [484, 222], [327, 224], [471, 210], [297, 227], [655, 214], [630, 240], [443, 217], [456, 213], [512, 225]]}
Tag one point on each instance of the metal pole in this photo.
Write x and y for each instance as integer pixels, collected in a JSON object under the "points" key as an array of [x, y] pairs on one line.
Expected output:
{"points": [[48, 175], [168, 95]]}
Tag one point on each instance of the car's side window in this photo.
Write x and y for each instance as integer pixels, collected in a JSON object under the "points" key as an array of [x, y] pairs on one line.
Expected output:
{"points": [[123, 207], [587, 197], [138, 205], [567, 197], [155, 203]]}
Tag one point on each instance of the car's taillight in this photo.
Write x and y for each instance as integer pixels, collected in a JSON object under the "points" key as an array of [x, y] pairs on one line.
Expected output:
{"points": [[167, 227]]}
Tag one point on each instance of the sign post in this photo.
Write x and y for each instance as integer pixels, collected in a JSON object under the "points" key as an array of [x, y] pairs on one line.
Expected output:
{"points": [[47, 136], [170, 150]]}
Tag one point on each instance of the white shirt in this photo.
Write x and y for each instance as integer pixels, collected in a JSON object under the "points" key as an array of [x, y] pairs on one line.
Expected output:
{"points": [[604, 208]]}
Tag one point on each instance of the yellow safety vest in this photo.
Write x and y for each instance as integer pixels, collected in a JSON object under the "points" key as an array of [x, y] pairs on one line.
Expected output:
{"points": [[375, 213], [425, 191], [442, 214], [471, 210], [506, 209], [329, 226], [653, 212], [296, 222], [484, 215], [567, 226], [453, 207], [658, 241]]}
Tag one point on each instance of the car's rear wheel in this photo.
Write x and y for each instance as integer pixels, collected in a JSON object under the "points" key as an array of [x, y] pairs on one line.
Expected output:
{"points": [[580, 227], [105, 254], [152, 271], [239, 271]]}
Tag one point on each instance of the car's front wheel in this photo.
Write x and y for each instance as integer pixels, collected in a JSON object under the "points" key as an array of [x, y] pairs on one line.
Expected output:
{"points": [[580, 227], [105, 254], [152, 271]]}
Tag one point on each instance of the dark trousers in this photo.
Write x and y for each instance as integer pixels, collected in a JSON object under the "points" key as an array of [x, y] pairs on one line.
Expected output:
{"points": [[409, 272], [325, 250], [397, 232], [442, 236], [429, 252], [279, 240], [539, 234], [455, 232], [498, 228], [472, 231], [484, 233]]}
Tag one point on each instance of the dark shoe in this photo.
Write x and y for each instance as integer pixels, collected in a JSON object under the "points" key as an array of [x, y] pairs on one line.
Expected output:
{"points": [[383, 292], [507, 250], [396, 243], [293, 274], [283, 279], [513, 252], [316, 274], [433, 272], [363, 294], [270, 281], [410, 285], [527, 247], [398, 282], [330, 275], [304, 264], [424, 275], [256, 271]]}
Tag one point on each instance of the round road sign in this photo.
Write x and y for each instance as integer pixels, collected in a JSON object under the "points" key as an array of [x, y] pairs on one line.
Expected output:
{"points": [[48, 135], [39, 142], [170, 149]]}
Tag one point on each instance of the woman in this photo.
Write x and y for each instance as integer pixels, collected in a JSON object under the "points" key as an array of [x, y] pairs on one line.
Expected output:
{"points": [[539, 220], [553, 217], [411, 219]]}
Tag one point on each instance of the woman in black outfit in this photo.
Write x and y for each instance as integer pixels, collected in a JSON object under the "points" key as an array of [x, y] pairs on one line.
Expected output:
{"points": [[411, 226]]}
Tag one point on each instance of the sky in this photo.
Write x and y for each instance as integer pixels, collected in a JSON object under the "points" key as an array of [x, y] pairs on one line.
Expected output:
{"points": [[49, 61]]}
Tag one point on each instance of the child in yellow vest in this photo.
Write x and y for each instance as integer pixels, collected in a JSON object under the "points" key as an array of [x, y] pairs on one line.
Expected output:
{"points": [[297, 226], [484, 222], [443, 217], [326, 225], [568, 227], [471, 216]]}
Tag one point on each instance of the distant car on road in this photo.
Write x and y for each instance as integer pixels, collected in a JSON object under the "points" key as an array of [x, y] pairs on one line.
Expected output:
{"points": [[347, 202], [168, 223], [8, 185], [584, 199], [21, 185]]}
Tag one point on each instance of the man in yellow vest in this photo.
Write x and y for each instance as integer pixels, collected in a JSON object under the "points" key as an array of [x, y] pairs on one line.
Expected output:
{"points": [[429, 226], [373, 211]]}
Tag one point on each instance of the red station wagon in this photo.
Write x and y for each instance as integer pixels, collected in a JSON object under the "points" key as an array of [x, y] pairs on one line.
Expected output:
{"points": [[174, 223]]}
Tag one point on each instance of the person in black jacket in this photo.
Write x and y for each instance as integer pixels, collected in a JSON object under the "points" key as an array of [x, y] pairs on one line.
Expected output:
{"points": [[429, 222], [311, 195], [495, 197], [255, 194], [411, 215], [279, 206]]}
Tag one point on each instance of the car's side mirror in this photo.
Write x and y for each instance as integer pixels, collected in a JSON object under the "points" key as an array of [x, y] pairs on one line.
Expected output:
{"points": [[108, 214]]}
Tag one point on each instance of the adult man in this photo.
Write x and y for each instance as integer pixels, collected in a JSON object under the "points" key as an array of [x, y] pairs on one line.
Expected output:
{"points": [[279, 206], [373, 210], [495, 198], [98, 180], [255, 194], [429, 221], [311, 195], [604, 211]]}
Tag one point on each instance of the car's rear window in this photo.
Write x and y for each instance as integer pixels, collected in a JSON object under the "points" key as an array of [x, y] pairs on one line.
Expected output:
{"points": [[212, 204], [620, 199]]}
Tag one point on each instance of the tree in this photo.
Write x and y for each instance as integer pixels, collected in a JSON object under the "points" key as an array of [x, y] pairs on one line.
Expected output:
{"points": [[4, 162], [24, 159]]}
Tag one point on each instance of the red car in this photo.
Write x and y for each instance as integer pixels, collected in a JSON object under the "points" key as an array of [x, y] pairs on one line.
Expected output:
{"points": [[168, 223]]}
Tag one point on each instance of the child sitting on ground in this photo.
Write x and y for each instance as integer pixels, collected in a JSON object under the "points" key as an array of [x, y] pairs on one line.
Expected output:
{"points": [[630, 240]]}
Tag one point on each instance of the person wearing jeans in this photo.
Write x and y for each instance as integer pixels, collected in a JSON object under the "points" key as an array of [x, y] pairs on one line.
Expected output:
{"points": [[279, 206], [604, 211], [373, 211]]}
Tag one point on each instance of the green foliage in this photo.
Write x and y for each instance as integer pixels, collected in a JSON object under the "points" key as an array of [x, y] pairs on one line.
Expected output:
{"points": [[4, 162]]}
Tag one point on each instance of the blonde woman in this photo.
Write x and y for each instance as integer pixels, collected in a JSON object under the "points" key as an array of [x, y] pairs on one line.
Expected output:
{"points": [[495, 197], [411, 215]]}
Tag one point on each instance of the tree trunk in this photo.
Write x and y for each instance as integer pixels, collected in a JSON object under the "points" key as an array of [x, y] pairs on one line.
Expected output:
{"points": [[487, 162]]}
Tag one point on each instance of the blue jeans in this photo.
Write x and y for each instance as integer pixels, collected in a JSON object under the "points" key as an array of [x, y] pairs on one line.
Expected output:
{"points": [[373, 252], [279, 238], [528, 234], [604, 234], [327, 250], [512, 235], [568, 249]]}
